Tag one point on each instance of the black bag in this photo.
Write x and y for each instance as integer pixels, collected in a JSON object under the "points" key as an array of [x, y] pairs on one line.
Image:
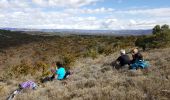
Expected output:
{"points": [[46, 79]]}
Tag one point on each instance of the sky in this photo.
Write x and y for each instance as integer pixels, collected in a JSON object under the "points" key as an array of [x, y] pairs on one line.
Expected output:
{"points": [[84, 14]]}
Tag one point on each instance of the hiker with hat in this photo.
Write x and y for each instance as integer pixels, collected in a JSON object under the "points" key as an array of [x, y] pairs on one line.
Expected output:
{"points": [[122, 61]]}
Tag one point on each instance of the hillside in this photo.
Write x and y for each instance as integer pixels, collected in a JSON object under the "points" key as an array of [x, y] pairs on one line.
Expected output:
{"points": [[96, 80], [29, 57]]}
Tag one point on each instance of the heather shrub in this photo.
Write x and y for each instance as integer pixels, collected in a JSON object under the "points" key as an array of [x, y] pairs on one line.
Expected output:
{"points": [[91, 53], [68, 60], [22, 69]]}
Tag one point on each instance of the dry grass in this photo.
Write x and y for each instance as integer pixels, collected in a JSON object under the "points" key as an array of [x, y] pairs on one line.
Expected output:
{"points": [[94, 79]]}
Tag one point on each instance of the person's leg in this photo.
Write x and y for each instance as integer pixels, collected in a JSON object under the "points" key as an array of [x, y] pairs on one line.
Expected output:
{"points": [[113, 64], [67, 74], [52, 77], [118, 66], [125, 67], [46, 79]]}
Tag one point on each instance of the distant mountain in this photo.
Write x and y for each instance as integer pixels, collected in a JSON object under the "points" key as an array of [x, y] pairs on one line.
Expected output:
{"points": [[82, 32]]}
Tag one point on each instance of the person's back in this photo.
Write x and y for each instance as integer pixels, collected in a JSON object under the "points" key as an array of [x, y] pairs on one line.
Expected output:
{"points": [[124, 60], [61, 73]]}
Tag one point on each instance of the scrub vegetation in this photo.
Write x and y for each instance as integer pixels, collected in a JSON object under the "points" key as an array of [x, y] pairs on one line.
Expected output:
{"points": [[29, 57]]}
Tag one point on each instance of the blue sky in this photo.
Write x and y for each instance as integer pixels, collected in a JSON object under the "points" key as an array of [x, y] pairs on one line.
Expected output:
{"points": [[84, 14]]}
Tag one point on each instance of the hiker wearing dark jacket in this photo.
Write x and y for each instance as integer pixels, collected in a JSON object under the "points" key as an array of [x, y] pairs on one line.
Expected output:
{"points": [[136, 55], [122, 60]]}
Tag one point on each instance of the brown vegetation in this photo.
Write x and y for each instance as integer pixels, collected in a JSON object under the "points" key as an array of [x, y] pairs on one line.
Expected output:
{"points": [[96, 80], [88, 57]]}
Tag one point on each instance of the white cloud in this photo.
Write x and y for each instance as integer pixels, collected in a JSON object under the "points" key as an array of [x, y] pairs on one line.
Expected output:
{"points": [[156, 12], [64, 3], [146, 23], [46, 3], [14, 4], [133, 22], [101, 10], [40, 2], [73, 14]]}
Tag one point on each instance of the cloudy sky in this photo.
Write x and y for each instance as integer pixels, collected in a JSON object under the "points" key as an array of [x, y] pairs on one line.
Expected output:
{"points": [[84, 14]]}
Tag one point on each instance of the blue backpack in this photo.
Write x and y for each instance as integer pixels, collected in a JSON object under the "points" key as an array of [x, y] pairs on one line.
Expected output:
{"points": [[140, 64]]}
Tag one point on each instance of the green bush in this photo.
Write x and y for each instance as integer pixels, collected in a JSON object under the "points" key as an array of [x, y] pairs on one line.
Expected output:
{"points": [[159, 39], [18, 71]]}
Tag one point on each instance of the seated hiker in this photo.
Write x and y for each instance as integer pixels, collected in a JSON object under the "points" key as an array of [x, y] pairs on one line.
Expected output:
{"points": [[59, 73], [136, 55], [25, 85], [122, 60], [139, 63]]}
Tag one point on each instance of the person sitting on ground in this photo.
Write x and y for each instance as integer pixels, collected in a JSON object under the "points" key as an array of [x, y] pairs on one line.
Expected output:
{"points": [[138, 62], [25, 85], [122, 60], [59, 73], [136, 55]]}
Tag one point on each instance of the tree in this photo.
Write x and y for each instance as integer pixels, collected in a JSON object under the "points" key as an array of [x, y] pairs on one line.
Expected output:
{"points": [[165, 27], [156, 29]]}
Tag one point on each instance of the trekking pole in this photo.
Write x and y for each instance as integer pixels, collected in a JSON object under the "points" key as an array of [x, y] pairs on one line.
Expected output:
{"points": [[13, 94]]}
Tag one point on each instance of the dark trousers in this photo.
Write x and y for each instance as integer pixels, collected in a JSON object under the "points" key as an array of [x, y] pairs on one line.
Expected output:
{"points": [[46, 79]]}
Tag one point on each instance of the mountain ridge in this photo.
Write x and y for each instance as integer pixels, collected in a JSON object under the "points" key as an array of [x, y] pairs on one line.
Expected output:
{"points": [[84, 32]]}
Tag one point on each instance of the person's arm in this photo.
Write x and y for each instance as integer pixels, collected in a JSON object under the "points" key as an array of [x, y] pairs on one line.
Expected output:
{"points": [[53, 71], [140, 56], [56, 76], [118, 59], [115, 62]]}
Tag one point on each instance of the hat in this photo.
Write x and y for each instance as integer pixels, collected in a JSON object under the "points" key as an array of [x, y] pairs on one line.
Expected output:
{"points": [[122, 51]]}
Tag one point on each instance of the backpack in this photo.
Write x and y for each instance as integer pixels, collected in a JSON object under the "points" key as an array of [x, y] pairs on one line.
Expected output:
{"points": [[140, 64]]}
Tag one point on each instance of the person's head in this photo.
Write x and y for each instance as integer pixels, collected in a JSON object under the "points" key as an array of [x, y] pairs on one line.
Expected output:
{"points": [[59, 65], [122, 52], [135, 51]]}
